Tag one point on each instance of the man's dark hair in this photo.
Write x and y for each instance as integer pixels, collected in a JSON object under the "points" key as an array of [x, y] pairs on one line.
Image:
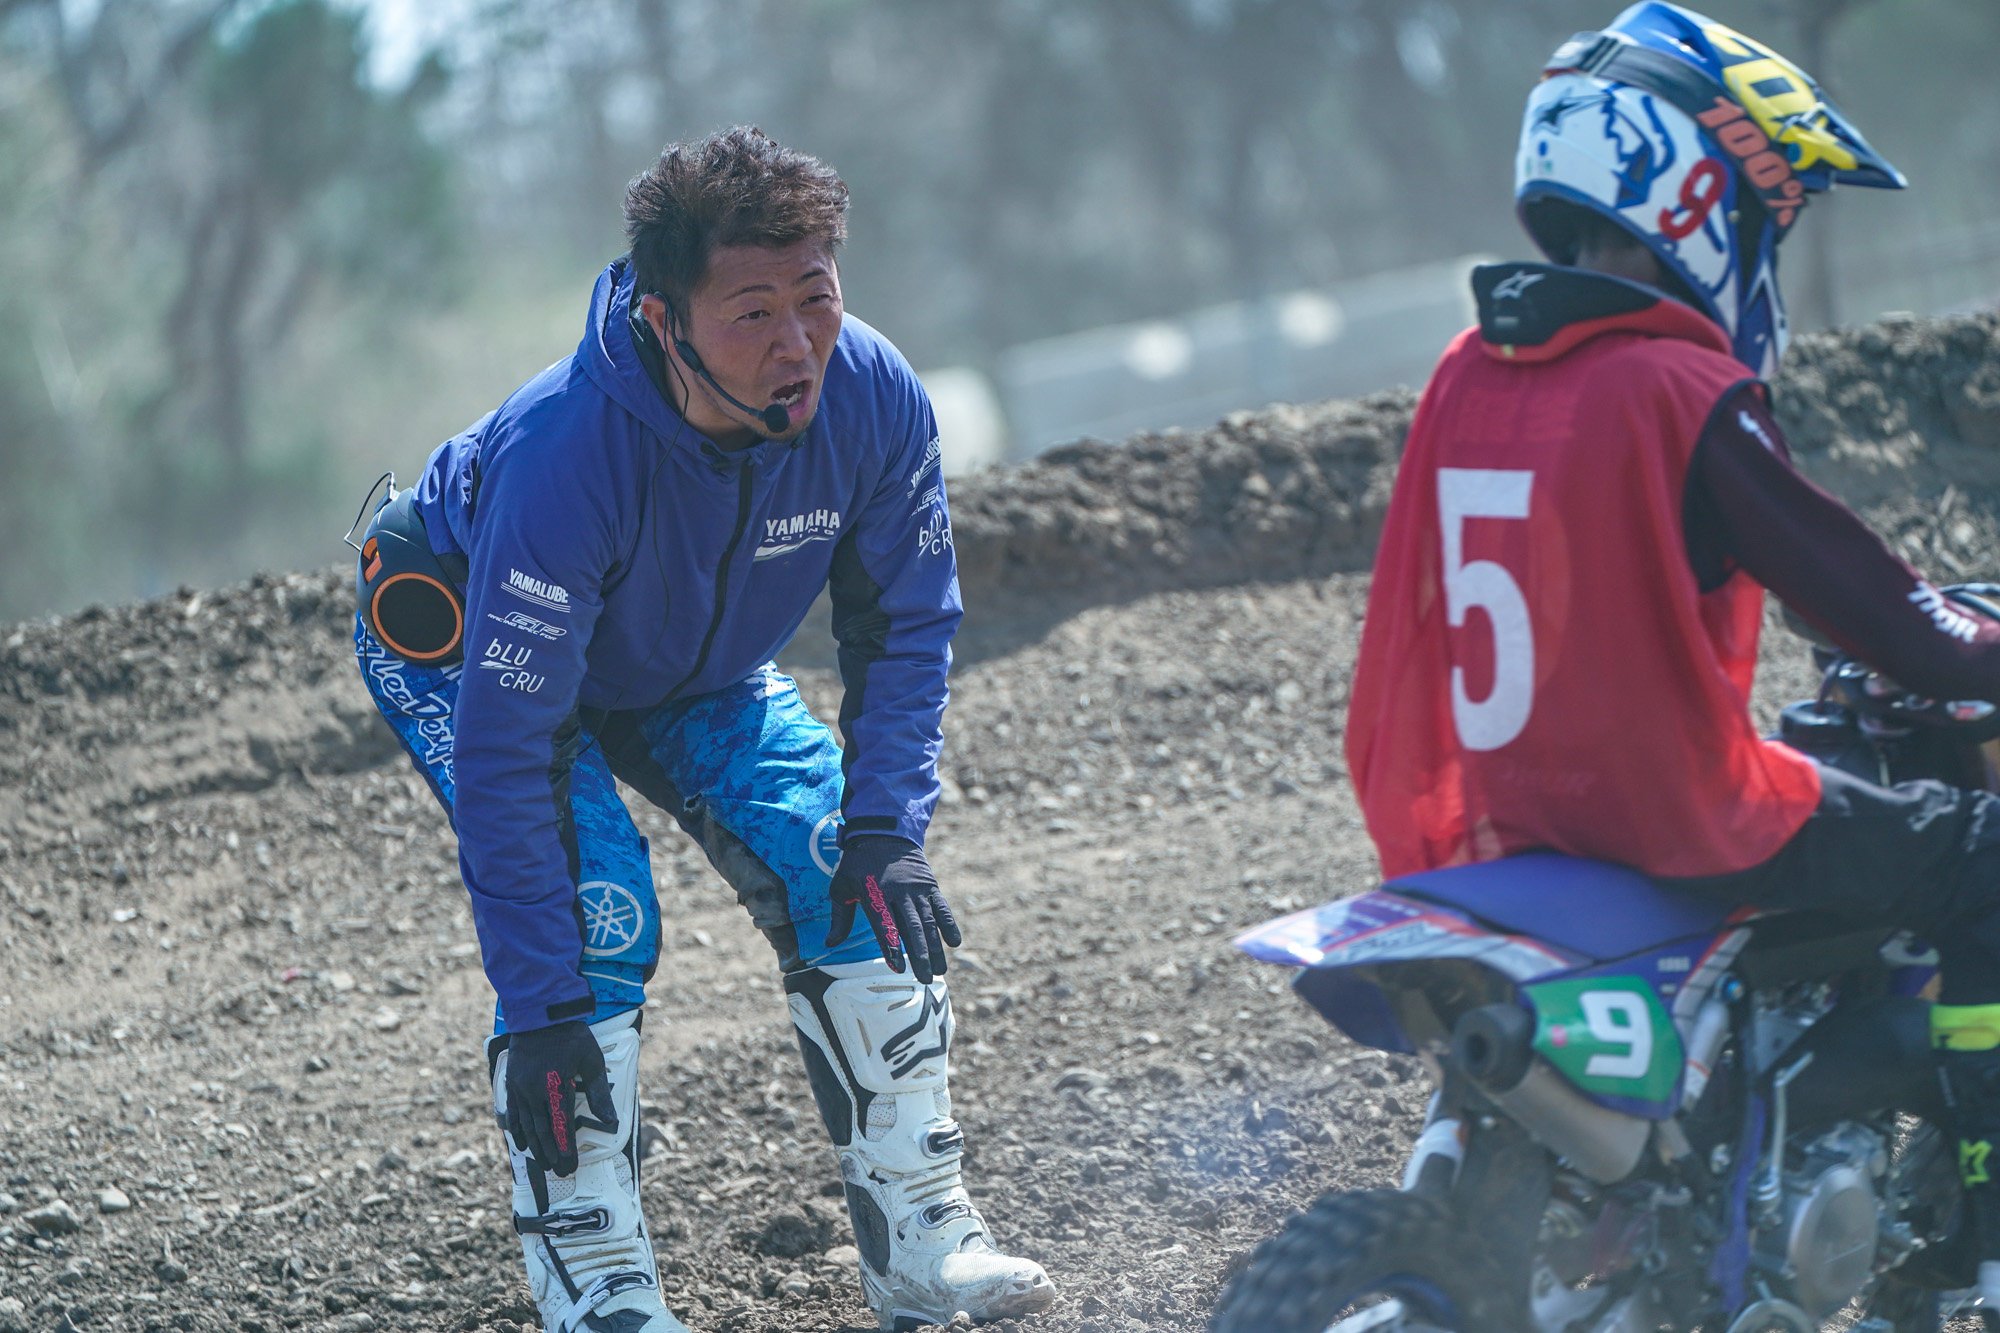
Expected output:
{"points": [[736, 187]]}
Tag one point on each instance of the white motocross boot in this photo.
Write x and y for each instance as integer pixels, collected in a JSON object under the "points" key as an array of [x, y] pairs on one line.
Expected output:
{"points": [[590, 1261], [875, 1043]]}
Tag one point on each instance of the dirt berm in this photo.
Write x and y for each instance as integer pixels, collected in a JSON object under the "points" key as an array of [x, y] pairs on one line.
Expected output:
{"points": [[242, 1006]]}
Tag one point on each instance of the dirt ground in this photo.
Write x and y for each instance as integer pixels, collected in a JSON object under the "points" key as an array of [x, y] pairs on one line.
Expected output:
{"points": [[242, 1013]]}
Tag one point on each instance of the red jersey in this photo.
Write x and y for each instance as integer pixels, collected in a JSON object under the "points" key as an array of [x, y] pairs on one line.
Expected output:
{"points": [[1539, 668]]}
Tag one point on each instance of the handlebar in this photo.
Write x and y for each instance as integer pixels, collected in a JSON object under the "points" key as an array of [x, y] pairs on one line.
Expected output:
{"points": [[1884, 708]]}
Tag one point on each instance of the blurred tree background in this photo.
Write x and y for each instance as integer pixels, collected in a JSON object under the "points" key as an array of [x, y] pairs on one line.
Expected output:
{"points": [[253, 251]]}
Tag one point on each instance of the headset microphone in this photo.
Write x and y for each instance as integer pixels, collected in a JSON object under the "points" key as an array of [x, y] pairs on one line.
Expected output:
{"points": [[773, 418]]}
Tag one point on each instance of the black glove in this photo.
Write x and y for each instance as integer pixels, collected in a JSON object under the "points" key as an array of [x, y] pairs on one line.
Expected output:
{"points": [[888, 878], [545, 1068]]}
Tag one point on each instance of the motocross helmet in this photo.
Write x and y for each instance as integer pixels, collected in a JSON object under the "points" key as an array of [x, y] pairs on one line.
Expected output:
{"points": [[1702, 143]]}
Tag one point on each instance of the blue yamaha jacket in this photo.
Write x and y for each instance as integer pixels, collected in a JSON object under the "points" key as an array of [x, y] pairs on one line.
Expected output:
{"points": [[618, 560]]}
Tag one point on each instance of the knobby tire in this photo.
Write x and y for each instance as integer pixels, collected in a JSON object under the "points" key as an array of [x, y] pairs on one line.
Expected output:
{"points": [[1348, 1245]]}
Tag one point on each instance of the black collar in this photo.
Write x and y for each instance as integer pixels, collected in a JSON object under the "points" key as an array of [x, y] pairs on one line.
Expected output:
{"points": [[1525, 305]]}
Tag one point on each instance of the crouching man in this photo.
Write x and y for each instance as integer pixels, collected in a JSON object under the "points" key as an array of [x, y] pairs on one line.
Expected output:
{"points": [[590, 584]]}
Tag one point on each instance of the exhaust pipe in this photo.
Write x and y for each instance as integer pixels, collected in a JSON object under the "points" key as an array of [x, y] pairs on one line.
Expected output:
{"points": [[1494, 1044]]}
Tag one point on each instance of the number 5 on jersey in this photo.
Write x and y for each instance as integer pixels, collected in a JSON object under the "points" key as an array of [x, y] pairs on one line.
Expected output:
{"points": [[1472, 492]]}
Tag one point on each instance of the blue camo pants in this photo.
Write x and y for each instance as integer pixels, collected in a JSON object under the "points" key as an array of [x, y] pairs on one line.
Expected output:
{"points": [[747, 772]]}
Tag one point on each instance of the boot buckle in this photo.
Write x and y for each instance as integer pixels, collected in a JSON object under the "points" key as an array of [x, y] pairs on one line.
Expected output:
{"points": [[583, 1314], [558, 1225], [937, 1214]]}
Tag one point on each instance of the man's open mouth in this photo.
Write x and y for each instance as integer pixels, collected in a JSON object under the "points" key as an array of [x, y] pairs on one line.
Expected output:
{"points": [[792, 394]]}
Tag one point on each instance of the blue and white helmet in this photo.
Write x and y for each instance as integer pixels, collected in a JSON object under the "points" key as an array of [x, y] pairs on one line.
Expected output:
{"points": [[1702, 143]]}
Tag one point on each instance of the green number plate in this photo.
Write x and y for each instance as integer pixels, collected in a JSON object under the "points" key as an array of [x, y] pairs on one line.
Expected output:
{"points": [[1608, 1035]]}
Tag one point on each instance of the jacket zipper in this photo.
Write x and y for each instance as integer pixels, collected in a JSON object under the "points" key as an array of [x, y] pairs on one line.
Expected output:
{"points": [[721, 582]]}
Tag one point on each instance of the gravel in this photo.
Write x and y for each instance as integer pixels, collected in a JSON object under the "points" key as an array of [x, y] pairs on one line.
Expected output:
{"points": [[1143, 757]]}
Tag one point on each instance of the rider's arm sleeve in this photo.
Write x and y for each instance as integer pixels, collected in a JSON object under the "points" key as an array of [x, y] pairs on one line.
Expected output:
{"points": [[1748, 504], [894, 588], [541, 547]]}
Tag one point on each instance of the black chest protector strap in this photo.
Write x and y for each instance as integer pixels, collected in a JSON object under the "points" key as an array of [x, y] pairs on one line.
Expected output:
{"points": [[410, 597]]}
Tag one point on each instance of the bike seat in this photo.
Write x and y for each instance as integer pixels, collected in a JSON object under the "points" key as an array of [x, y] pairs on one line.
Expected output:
{"points": [[1593, 908]]}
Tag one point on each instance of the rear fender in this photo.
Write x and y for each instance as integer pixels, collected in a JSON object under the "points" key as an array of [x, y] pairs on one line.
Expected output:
{"points": [[1383, 927], [1366, 961]]}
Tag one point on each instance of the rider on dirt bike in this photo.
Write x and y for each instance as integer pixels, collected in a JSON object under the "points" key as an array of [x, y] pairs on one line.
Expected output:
{"points": [[1595, 470]]}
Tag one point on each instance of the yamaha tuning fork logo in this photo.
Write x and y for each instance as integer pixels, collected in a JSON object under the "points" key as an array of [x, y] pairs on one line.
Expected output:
{"points": [[612, 918], [825, 844]]}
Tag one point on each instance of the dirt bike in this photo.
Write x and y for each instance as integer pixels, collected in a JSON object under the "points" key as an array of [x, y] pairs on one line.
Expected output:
{"points": [[1659, 1112]]}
